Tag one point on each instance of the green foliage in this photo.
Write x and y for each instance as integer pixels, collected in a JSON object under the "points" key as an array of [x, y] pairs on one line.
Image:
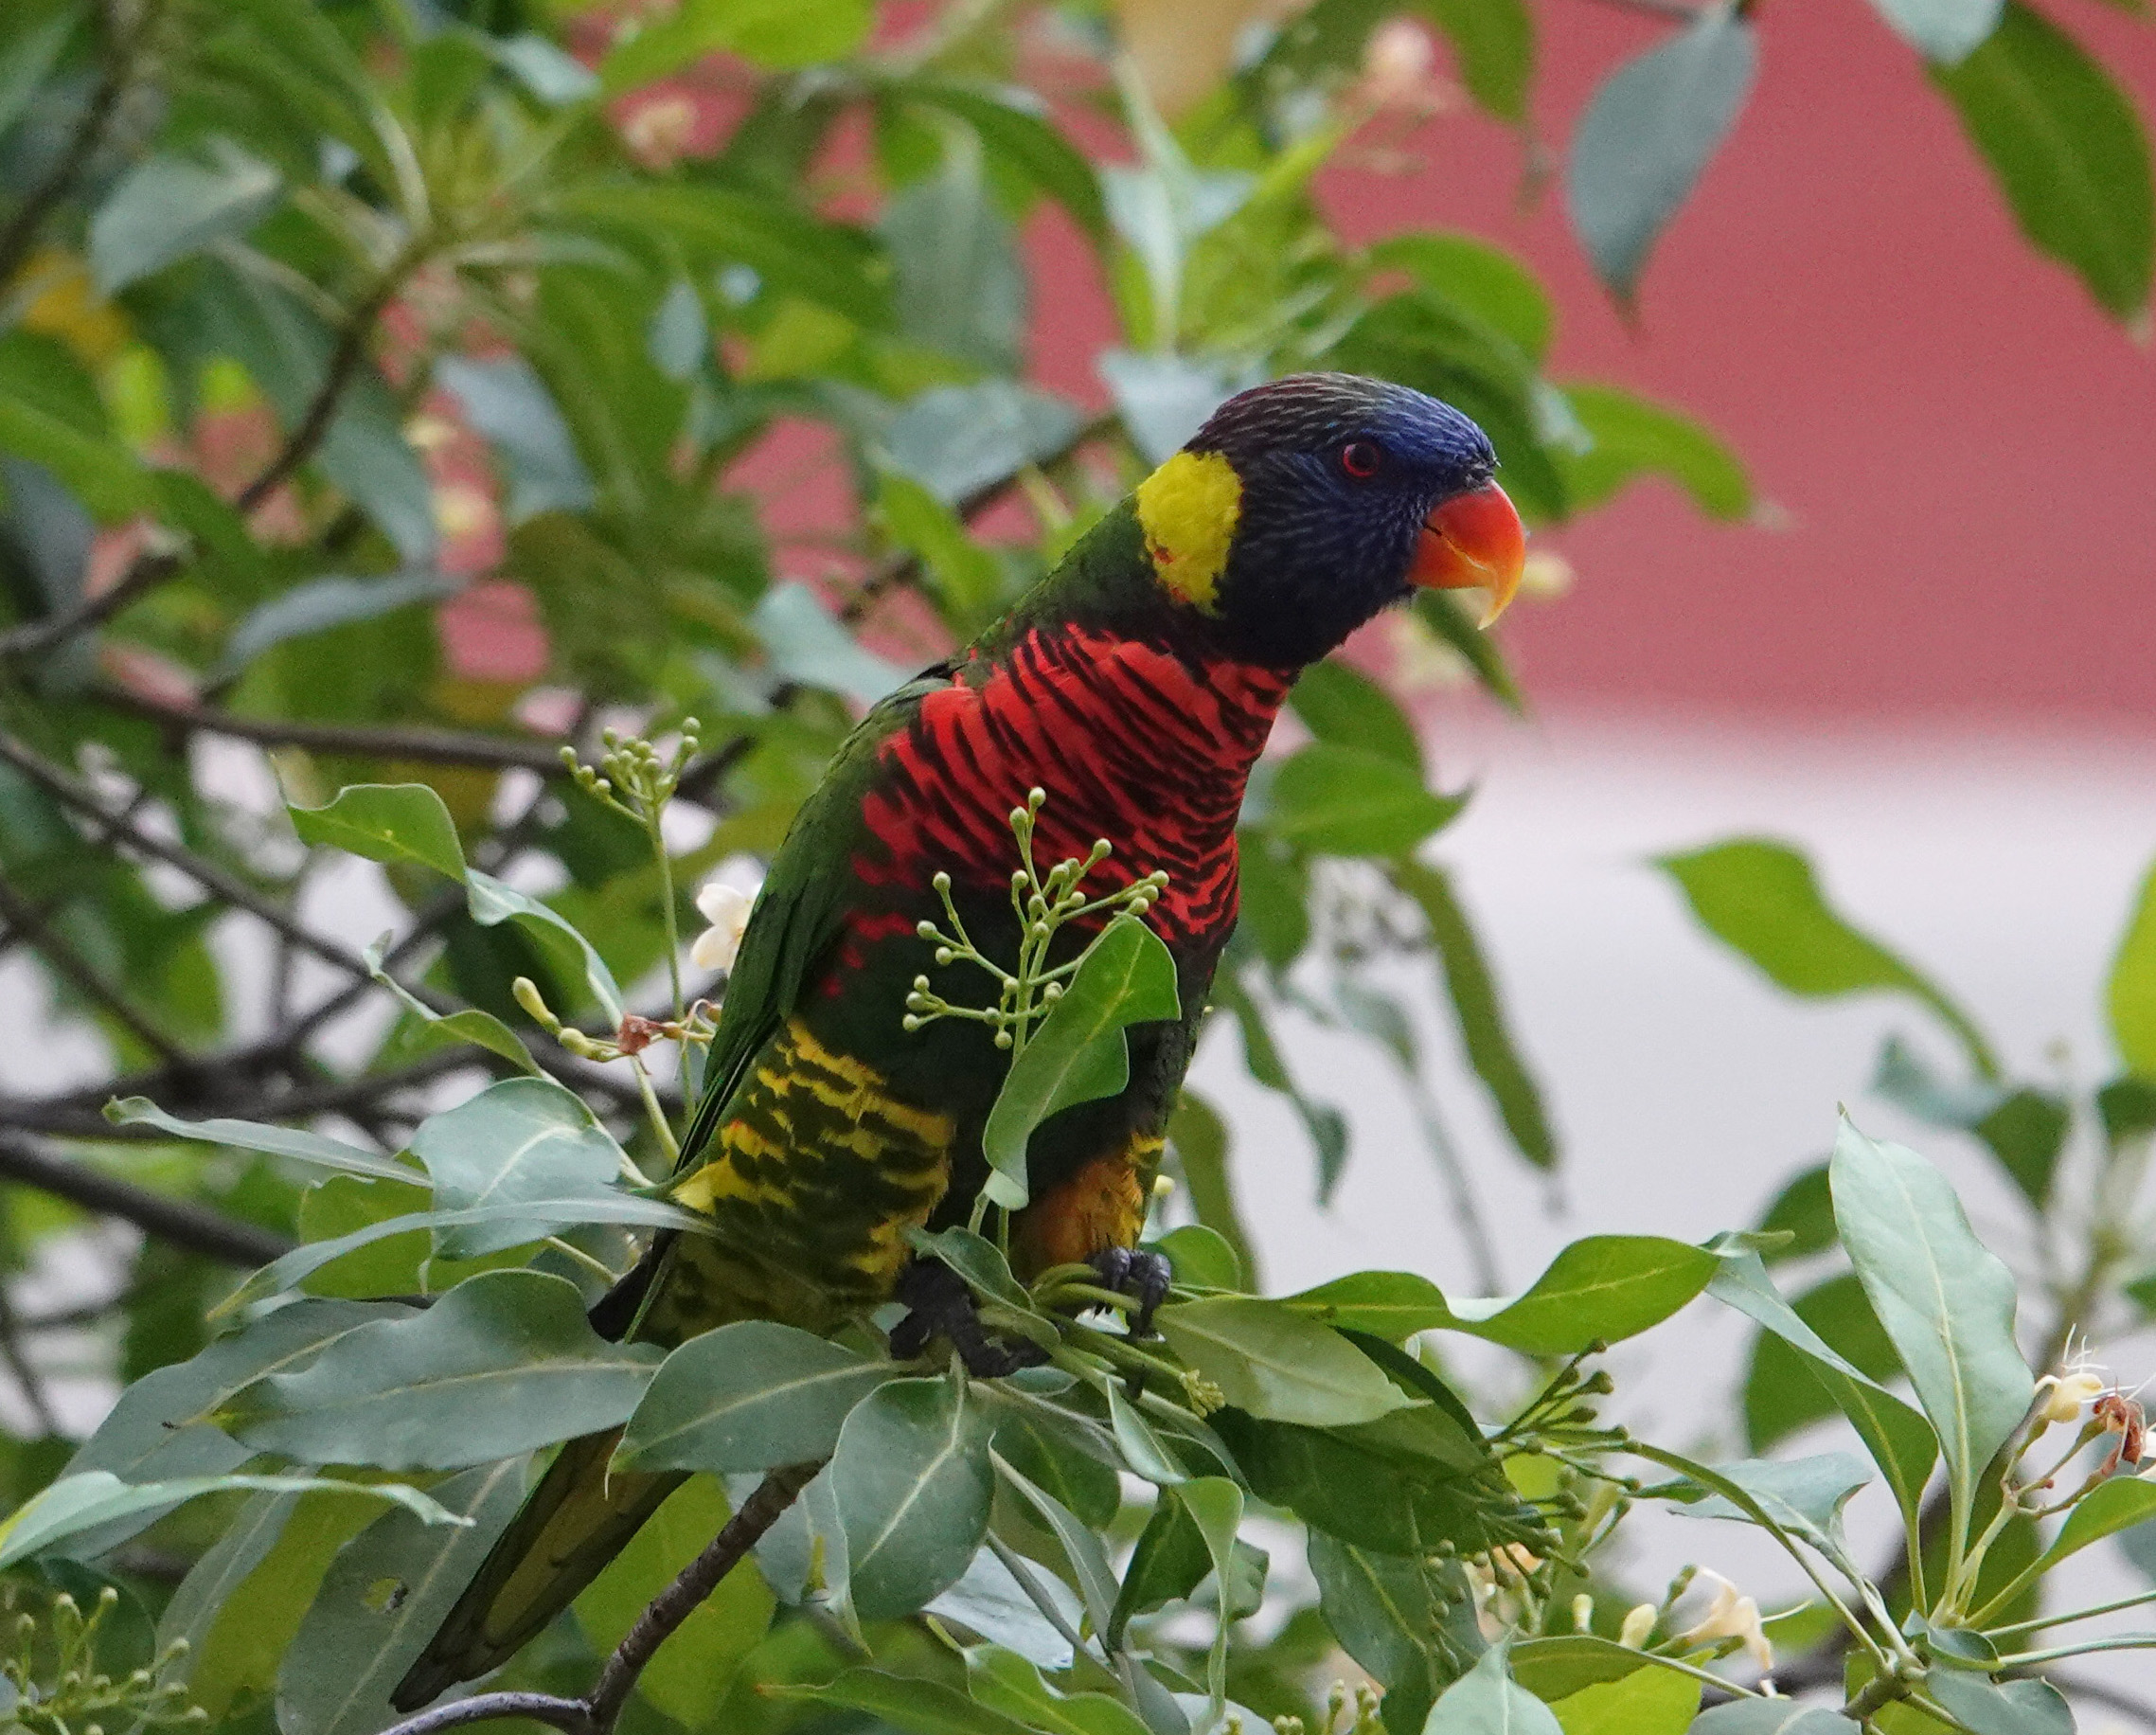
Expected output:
{"points": [[494, 299]]}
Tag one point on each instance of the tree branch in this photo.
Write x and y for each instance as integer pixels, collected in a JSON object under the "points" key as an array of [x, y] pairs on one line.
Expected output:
{"points": [[901, 570], [75, 969], [598, 1711], [89, 134], [433, 747], [229, 888], [173, 1219], [149, 570]]}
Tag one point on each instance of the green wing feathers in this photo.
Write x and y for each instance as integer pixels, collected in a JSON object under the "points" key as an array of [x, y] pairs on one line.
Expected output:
{"points": [[576, 1521]]}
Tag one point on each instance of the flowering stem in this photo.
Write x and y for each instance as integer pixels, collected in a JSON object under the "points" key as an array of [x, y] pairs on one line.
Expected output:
{"points": [[1995, 1634], [2121, 1641], [658, 1117]]}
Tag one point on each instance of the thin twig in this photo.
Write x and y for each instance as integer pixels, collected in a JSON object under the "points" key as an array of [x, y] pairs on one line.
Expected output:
{"points": [[151, 569], [192, 1227], [229, 888], [1681, 10], [19, 1366], [431, 747], [598, 1711], [89, 135], [901, 570], [78, 972]]}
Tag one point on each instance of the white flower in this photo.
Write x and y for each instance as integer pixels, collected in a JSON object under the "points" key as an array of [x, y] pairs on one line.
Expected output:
{"points": [[727, 910], [1638, 1627], [1731, 1615]]}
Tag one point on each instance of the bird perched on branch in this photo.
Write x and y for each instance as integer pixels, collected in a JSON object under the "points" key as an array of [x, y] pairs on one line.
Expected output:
{"points": [[1136, 684]]}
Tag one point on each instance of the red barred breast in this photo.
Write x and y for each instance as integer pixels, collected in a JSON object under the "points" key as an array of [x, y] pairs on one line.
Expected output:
{"points": [[1131, 743]]}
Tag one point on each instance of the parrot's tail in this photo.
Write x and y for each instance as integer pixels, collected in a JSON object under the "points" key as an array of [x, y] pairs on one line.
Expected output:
{"points": [[570, 1525]]}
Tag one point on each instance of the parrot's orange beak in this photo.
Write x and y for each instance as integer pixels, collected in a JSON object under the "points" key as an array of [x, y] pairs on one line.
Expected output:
{"points": [[1473, 540]]}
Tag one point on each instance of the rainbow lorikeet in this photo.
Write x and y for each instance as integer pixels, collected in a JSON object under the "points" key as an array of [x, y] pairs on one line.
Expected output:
{"points": [[1136, 684]]}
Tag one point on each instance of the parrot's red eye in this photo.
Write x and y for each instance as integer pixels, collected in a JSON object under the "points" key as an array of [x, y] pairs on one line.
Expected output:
{"points": [[1360, 458]]}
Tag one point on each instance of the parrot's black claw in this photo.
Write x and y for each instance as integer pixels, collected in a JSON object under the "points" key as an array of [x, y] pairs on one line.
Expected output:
{"points": [[940, 1305], [1131, 1271]]}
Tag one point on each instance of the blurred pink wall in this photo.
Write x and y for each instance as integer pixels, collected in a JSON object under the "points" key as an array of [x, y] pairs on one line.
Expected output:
{"points": [[1965, 447]]}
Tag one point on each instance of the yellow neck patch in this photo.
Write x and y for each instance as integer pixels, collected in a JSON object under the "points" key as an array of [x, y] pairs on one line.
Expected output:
{"points": [[1188, 510]]}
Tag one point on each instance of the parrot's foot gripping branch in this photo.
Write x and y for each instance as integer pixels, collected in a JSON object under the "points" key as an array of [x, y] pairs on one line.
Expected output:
{"points": [[1142, 1276], [942, 1306]]}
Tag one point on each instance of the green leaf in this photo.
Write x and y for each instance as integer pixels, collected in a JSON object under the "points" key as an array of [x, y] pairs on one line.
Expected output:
{"points": [[1078, 1051], [1646, 1702], [2116, 1505], [1198, 1138], [491, 901], [1200, 1256], [2130, 996], [1340, 703], [991, 1602], [1901, 1443], [905, 1701], [1082, 1547], [959, 286], [911, 1477], [1278, 1364], [155, 1433], [1946, 1300], [1481, 279], [1068, 1456], [2066, 147], [1487, 1701], [385, 822], [241, 1609], [382, 1600], [1556, 1669], [1804, 1495], [1647, 137], [1759, 898], [601, 1206], [1605, 1287], [690, 1672], [319, 605], [32, 48], [1166, 1565], [1011, 1684], [287, 347], [1943, 31], [969, 579], [100, 471], [1779, 1397], [315, 1149], [1215, 1507], [507, 401], [1402, 1617], [807, 646], [482, 1029], [1342, 801], [792, 251], [166, 207], [1495, 42], [957, 440], [521, 1138], [2000, 1708], [1802, 1210], [90, 1498], [1016, 130], [2024, 1129], [776, 34], [1472, 989], [749, 1396], [1632, 437], [503, 1363], [1771, 1717]]}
